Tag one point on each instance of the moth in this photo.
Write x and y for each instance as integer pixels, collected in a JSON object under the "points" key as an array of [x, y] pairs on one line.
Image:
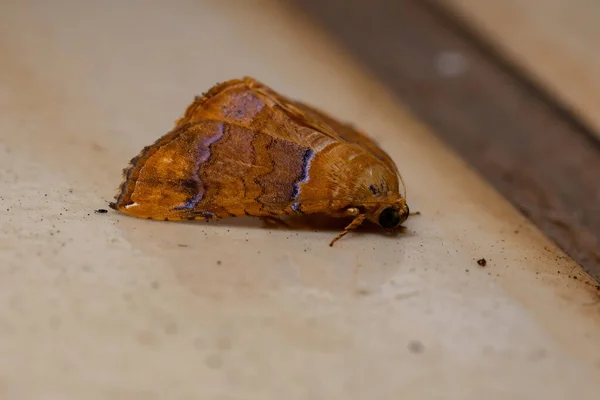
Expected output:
{"points": [[243, 149]]}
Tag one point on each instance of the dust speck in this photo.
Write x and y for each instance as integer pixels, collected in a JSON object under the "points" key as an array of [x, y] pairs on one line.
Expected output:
{"points": [[214, 361], [15, 304], [224, 343], [199, 344], [155, 285], [147, 339], [171, 328], [538, 354], [414, 346], [54, 322], [482, 262]]}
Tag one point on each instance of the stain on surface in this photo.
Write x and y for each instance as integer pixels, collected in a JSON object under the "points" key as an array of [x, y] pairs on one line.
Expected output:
{"points": [[214, 361], [199, 344], [171, 329], [416, 347], [54, 322], [147, 339], [224, 343]]}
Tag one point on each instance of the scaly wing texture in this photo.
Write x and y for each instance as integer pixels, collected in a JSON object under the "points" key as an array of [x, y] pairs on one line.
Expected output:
{"points": [[323, 123], [256, 106], [212, 169], [241, 149], [252, 97]]}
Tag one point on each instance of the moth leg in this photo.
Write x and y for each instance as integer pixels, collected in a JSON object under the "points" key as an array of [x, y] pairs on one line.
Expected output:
{"points": [[274, 221], [356, 222], [415, 213]]}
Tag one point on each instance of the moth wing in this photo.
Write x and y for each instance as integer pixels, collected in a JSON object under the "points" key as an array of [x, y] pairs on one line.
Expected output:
{"points": [[334, 129], [213, 169], [250, 103], [347, 133]]}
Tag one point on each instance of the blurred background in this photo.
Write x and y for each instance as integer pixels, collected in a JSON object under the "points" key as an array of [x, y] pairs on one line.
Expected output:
{"points": [[513, 86]]}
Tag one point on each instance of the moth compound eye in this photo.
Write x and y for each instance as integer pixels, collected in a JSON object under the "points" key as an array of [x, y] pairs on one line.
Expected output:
{"points": [[389, 218]]}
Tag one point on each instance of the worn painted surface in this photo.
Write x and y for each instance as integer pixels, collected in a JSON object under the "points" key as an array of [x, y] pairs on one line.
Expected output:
{"points": [[105, 305]]}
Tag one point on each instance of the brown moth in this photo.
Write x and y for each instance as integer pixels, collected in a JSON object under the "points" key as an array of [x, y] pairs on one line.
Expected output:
{"points": [[243, 149]]}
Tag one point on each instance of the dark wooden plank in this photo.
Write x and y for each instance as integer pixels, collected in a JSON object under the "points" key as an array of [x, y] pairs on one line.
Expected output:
{"points": [[528, 146]]}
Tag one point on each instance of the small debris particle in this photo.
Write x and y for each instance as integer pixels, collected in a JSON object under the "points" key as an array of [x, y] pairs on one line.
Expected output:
{"points": [[466, 270], [414, 346], [171, 328], [214, 361], [224, 343], [219, 262], [482, 262], [101, 211], [182, 245]]}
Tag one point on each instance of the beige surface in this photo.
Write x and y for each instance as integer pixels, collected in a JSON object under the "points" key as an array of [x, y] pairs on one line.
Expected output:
{"points": [[97, 306], [554, 40]]}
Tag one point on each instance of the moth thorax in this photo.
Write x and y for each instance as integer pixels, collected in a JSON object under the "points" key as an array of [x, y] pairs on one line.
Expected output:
{"points": [[377, 180]]}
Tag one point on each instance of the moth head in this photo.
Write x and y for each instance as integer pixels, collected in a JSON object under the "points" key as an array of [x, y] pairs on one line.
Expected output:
{"points": [[391, 215]]}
